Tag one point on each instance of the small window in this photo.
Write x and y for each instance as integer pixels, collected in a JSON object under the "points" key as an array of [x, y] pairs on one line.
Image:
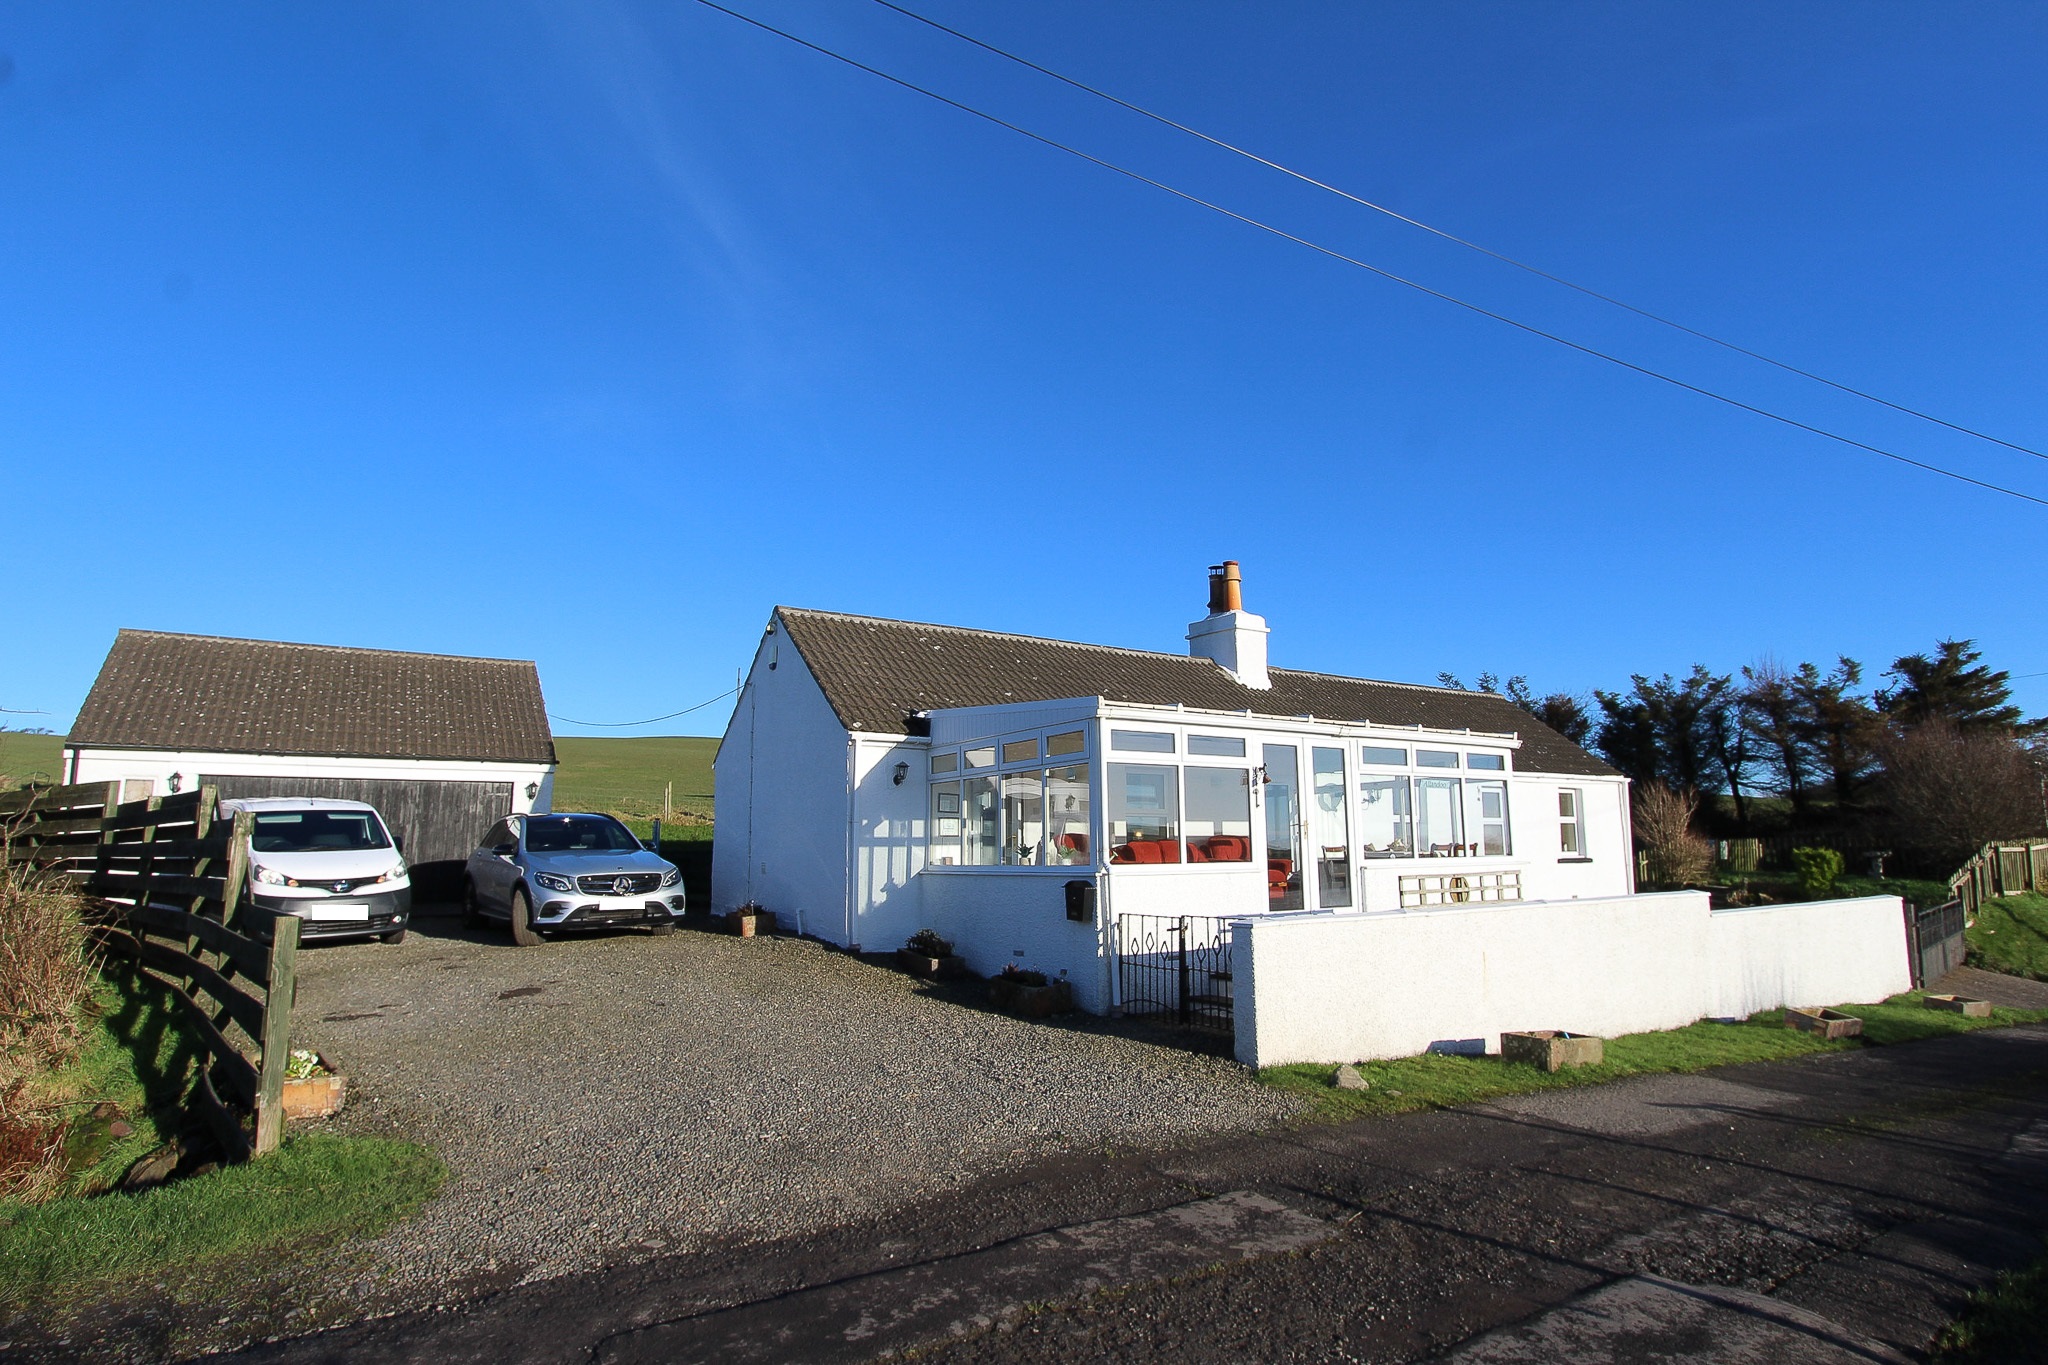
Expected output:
{"points": [[1020, 750], [1571, 834], [1386, 758], [1436, 758], [945, 763], [1144, 813], [981, 758], [1216, 746], [1072, 742], [1141, 741], [1487, 763]]}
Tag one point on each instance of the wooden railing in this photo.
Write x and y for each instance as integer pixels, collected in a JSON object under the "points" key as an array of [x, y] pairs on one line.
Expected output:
{"points": [[166, 877], [2003, 868]]}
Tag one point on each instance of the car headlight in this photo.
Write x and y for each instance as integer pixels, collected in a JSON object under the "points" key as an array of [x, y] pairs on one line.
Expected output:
{"points": [[394, 874], [270, 876], [554, 881], [671, 877]]}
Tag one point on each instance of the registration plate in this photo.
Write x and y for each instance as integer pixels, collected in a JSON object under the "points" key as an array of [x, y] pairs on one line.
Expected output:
{"points": [[339, 910]]}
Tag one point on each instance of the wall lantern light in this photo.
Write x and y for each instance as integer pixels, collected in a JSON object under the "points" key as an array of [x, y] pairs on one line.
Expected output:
{"points": [[175, 781], [532, 790], [902, 771]]}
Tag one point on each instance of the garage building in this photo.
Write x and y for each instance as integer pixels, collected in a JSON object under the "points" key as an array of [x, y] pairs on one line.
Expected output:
{"points": [[443, 745]]}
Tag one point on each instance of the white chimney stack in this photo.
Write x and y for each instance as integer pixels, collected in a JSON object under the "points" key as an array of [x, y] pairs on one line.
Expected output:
{"points": [[1229, 635]]}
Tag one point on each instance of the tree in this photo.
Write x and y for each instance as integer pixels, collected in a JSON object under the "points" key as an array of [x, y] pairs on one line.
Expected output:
{"points": [[1949, 790], [1771, 715], [1837, 728], [1671, 731], [1951, 686], [1675, 856], [1561, 711]]}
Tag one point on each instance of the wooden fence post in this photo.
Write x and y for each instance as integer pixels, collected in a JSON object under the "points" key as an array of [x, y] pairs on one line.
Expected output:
{"points": [[277, 1033]]}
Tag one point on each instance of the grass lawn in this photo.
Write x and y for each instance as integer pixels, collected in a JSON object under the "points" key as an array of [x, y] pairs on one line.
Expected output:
{"points": [[2011, 936], [1435, 1081], [315, 1189], [627, 776], [1784, 886]]}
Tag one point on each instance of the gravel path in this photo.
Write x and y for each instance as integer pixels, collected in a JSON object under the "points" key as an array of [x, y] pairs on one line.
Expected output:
{"points": [[604, 1100]]}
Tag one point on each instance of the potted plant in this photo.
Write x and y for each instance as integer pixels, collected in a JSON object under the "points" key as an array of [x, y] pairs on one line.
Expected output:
{"points": [[928, 955], [313, 1089], [1030, 994], [750, 919]]}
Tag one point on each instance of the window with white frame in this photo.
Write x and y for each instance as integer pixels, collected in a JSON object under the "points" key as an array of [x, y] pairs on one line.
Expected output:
{"points": [[1219, 815], [1425, 815], [1571, 822], [1066, 816], [1143, 807]]}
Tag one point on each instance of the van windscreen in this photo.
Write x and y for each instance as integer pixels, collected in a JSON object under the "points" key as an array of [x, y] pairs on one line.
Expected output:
{"points": [[316, 831]]}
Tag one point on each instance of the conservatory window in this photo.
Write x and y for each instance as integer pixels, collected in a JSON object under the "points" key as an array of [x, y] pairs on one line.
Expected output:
{"points": [[1383, 757], [1144, 813], [1216, 746], [1023, 817], [1071, 742], [979, 823], [1020, 750], [1066, 816], [1330, 831], [1439, 826], [983, 757], [1386, 826], [1436, 758], [945, 763], [1492, 763], [1487, 816], [945, 840], [1219, 824], [1141, 741]]}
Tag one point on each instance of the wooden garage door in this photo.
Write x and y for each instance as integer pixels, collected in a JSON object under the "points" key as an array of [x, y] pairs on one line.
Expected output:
{"points": [[439, 821]]}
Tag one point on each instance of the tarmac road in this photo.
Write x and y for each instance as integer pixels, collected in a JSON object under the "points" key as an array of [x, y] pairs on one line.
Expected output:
{"points": [[1837, 1208]]}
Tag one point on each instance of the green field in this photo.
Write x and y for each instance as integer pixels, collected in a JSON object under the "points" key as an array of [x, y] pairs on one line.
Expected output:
{"points": [[2011, 936], [628, 776], [29, 758]]}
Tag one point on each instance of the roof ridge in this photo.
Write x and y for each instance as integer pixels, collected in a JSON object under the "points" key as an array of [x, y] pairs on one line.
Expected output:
{"points": [[1125, 649], [337, 649]]}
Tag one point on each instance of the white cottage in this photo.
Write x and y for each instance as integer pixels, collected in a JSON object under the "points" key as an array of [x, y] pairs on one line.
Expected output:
{"points": [[441, 744], [1018, 794]]}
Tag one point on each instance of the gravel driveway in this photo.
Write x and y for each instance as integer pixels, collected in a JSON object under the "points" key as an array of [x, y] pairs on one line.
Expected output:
{"points": [[607, 1099]]}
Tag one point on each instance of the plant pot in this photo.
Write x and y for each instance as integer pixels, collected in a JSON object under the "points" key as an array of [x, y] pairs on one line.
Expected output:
{"points": [[917, 964], [1827, 1023], [750, 923], [314, 1097], [1549, 1049], [1034, 1002], [1960, 1004]]}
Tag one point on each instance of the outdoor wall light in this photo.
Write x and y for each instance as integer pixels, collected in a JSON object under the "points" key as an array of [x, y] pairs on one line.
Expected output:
{"points": [[175, 781], [902, 771], [532, 790]]}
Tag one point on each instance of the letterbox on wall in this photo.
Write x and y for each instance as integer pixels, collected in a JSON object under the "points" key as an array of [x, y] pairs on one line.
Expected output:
{"points": [[1081, 901]]}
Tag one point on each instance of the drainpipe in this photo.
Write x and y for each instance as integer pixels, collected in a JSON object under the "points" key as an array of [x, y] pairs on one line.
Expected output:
{"points": [[852, 844]]}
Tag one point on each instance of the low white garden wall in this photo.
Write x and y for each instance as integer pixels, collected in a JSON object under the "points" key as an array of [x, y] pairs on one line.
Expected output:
{"points": [[1344, 988]]}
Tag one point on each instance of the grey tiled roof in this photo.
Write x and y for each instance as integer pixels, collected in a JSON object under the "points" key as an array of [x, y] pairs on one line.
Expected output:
{"points": [[877, 673], [208, 694]]}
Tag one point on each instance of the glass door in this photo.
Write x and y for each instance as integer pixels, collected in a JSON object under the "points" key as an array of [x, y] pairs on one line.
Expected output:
{"points": [[1330, 831], [1283, 828]]}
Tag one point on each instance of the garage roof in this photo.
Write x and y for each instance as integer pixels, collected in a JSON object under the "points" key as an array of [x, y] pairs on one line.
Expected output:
{"points": [[877, 673], [207, 694]]}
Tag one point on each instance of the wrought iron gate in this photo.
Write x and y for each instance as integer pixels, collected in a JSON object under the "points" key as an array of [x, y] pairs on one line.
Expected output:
{"points": [[1175, 967]]}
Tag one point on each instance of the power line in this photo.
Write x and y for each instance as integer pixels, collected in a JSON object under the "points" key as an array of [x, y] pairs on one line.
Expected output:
{"points": [[1385, 274], [1502, 257], [629, 724]]}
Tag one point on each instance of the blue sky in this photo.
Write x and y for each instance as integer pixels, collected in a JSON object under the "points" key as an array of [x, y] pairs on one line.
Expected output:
{"points": [[586, 333]]}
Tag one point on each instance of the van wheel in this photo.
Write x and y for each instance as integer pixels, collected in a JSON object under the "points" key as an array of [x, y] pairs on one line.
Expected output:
{"points": [[523, 932], [395, 936], [472, 913]]}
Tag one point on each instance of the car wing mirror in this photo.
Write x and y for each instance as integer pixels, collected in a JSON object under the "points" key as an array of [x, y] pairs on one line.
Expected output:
{"points": [[505, 850]]}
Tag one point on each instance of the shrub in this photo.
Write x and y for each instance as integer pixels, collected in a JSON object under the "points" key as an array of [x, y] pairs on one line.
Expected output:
{"points": [[1818, 868], [1663, 828], [1020, 976], [927, 943], [46, 979]]}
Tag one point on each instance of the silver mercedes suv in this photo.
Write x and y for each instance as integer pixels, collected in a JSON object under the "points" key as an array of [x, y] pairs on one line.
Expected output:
{"points": [[542, 873]]}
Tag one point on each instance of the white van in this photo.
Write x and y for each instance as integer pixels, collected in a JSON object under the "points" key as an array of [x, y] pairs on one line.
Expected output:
{"points": [[331, 863]]}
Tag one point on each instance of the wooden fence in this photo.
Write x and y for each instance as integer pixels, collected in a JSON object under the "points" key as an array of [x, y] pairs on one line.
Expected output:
{"points": [[2001, 869], [167, 876]]}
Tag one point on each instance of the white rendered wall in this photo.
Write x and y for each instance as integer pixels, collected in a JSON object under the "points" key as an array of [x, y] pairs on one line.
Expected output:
{"points": [[780, 784], [1322, 988], [156, 766], [998, 917]]}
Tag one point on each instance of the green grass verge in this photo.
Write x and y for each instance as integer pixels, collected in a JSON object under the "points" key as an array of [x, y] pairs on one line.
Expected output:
{"points": [[313, 1190], [628, 776], [1436, 1081], [2006, 1324], [316, 1188], [2011, 936]]}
